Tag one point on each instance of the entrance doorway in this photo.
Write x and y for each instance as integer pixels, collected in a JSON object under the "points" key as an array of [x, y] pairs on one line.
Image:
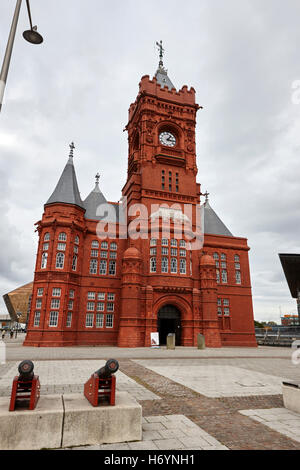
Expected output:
{"points": [[168, 321]]}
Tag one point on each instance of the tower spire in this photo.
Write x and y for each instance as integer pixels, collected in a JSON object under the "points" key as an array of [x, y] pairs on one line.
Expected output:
{"points": [[72, 147]]}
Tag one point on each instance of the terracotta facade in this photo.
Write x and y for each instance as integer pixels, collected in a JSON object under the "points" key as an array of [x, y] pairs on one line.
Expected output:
{"points": [[90, 291]]}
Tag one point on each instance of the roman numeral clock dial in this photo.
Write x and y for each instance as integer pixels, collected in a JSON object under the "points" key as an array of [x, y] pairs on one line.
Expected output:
{"points": [[167, 139]]}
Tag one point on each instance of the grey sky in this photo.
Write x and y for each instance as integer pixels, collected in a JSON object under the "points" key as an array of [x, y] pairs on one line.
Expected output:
{"points": [[241, 57]]}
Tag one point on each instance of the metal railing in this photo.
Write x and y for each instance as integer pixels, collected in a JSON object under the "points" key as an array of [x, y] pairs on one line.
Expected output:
{"points": [[277, 335]]}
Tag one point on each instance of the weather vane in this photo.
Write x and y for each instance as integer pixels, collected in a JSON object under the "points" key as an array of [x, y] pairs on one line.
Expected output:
{"points": [[97, 178], [72, 146], [206, 196], [161, 53]]}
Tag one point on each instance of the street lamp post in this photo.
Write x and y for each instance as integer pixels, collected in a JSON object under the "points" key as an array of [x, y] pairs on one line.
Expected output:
{"points": [[31, 36]]}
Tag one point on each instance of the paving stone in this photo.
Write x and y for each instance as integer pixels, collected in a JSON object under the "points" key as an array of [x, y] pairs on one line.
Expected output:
{"points": [[143, 445], [169, 444]]}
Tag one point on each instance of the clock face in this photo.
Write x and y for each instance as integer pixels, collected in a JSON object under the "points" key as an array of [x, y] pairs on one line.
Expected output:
{"points": [[167, 138]]}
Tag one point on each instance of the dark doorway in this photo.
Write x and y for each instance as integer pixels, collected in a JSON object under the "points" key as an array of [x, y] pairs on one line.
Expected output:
{"points": [[168, 321]]}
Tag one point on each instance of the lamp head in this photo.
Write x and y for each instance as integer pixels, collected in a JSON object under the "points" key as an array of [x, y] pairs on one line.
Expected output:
{"points": [[32, 36]]}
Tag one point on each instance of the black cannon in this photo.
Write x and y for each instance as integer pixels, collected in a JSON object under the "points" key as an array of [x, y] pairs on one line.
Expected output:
{"points": [[101, 387], [25, 388]]}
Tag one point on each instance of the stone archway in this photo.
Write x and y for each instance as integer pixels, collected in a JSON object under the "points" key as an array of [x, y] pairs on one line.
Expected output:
{"points": [[169, 321]]}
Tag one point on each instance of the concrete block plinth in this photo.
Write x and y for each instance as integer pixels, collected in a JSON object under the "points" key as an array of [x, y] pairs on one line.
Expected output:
{"points": [[32, 430], [291, 397], [88, 425]]}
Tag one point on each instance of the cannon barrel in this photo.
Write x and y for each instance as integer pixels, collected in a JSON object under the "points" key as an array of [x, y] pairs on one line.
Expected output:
{"points": [[26, 370], [110, 368]]}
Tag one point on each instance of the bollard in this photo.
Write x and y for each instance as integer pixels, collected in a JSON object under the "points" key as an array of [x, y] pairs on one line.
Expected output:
{"points": [[201, 341], [171, 339]]}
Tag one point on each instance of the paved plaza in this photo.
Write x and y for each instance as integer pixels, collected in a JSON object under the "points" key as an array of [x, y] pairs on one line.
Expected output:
{"points": [[228, 398]]}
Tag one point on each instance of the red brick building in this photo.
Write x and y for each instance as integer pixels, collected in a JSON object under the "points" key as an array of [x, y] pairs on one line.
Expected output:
{"points": [[117, 290]]}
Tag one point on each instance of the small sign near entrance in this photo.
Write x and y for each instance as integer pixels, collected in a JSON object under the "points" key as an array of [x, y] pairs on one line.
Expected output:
{"points": [[154, 340]]}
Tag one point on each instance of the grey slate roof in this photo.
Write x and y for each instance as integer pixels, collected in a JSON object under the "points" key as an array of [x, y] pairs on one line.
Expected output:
{"points": [[92, 202], [162, 78], [66, 190], [213, 225]]}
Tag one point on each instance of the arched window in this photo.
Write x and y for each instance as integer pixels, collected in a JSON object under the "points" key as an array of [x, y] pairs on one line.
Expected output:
{"points": [[216, 256], [104, 246], [182, 244], [164, 265], [152, 265], [236, 258], [173, 265], [182, 266], [174, 242], [47, 237], [62, 237], [60, 259], [113, 246], [93, 266], [74, 263], [44, 260]]}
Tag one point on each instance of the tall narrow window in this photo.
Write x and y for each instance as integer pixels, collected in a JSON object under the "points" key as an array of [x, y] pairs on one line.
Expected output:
{"points": [[103, 266], [47, 237], [164, 265], [69, 320], [74, 263], [173, 265], [112, 268], [182, 266], [152, 265], [113, 246], [93, 266], [44, 260], [238, 278], [218, 275], [89, 320], [95, 244], [60, 259], [53, 320], [224, 276], [37, 317], [109, 321], [99, 320], [76, 241]]}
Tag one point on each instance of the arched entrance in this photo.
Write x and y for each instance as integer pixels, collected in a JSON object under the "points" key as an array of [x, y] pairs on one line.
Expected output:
{"points": [[168, 321]]}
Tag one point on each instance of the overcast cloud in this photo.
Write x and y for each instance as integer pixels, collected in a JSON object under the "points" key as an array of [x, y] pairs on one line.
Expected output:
{"points": [[242, 58]]}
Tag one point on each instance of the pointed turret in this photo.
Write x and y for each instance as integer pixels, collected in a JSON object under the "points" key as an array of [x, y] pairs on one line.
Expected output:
{"points": [[66, 190], [161, 73], [93, 201], [213, 225]]}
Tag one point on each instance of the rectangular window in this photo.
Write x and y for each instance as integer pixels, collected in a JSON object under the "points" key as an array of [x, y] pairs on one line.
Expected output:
{"points": [[99, 320], [74, 263], [100, 306], [75, 249], [109, 321], [226, 302], [218, 276], [223, 265], [219, 302], [37, 317], [40, 292], [69, 320], [38, 303], [53, 319], [219, 311], [89, 320], [46, 247], [95, 244], [111, 297], [44, 260], [238, 278], [94, 253], [70, 305], [164, 242], [61, 247], [103, 254], [224, 276], [103, 267], [72, 294], [113, 255], [91, 295], [93, 266], [91, 306], [60, 260], [55, 303], [237, 266], [113, 246], [164, 251], [112, 268], [173, 251], [56, 292], [223, 257], [226, 312], [182, 253], [101, 296], [110, 307], [153, 251]]}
